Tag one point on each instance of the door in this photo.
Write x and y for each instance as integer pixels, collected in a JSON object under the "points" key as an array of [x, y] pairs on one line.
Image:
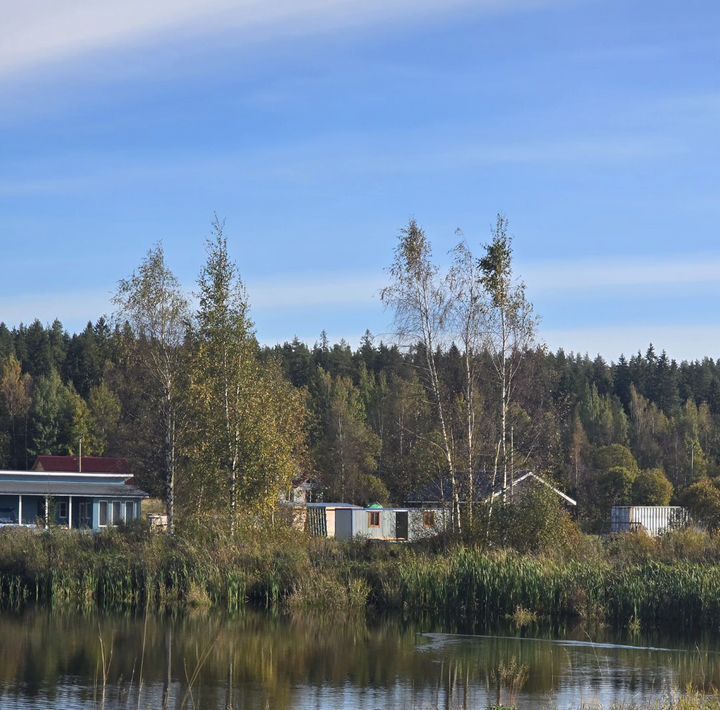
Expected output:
{"points": [[85, 514], [401, 525]]}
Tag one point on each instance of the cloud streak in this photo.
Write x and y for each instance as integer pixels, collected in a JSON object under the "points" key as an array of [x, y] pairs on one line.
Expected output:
{"points": [[37, 32], [580, 275]]}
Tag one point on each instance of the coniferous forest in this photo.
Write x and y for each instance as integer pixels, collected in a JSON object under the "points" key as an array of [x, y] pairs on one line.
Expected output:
{"points": [[467, 392]]}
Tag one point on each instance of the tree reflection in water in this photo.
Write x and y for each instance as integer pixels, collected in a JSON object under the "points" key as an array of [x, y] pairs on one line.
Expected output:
{"points": [[260, 660]]}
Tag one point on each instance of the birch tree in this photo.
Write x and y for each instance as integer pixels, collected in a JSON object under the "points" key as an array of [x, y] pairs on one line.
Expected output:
{"points": [[154, 307], [510, 330], [419, 300], [467, 322]]}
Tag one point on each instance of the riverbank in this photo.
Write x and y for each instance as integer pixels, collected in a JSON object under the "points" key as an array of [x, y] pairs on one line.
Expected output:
{"points": [[629, 582]]}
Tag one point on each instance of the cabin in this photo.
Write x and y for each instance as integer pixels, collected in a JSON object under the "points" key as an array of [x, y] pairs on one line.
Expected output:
{"points": [[389, 524], [88, 493], [438, 495], [652, 519]]}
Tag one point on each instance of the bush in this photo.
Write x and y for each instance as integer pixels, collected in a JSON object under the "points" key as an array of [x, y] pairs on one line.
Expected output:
{"points": [[651, 487], [533, 520], [615, 487], [702, 500]]}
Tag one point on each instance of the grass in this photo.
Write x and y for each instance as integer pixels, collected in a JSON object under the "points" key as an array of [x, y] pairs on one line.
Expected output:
{"points": [[627, 582]]}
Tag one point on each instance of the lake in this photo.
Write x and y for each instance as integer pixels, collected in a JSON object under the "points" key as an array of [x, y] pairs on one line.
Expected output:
{"points": [[256, 660]]}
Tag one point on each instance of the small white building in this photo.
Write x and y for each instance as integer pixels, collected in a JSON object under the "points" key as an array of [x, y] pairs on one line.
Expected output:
{"points": [[390, 524], [653, 519]]}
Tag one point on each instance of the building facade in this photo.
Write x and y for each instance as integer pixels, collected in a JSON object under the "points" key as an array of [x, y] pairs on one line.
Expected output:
{"points": [[85, 500]]}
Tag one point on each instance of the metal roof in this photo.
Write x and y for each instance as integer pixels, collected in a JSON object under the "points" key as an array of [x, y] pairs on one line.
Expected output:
{"points": [[60, 488], [440, 491], [88, 464]]}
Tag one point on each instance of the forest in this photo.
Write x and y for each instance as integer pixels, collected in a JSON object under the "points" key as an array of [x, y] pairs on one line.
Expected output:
{"points": [[467, 392]]}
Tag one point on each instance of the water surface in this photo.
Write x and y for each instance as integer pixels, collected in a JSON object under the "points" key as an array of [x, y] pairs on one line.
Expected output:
{"points": [[56, 659]]}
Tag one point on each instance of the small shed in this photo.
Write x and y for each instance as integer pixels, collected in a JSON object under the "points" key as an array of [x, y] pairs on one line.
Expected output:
{"points": [[653, 519], [321, 517], [390, 524]]}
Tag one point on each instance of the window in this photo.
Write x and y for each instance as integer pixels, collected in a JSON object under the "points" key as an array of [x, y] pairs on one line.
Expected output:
{"points": [[103, 521], [117, 512], [129, 511], [62, 508], [429, 518], [374, 519]]}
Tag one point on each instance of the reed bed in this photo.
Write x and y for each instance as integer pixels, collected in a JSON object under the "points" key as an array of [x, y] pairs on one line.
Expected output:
{"points": [[280, 569]]}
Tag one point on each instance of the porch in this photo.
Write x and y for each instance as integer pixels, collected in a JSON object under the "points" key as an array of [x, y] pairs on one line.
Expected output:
{"points": [[44, 511]]}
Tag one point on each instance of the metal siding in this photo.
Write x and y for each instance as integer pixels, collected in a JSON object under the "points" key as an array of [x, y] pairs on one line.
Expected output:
{"points": [[654, 519]]}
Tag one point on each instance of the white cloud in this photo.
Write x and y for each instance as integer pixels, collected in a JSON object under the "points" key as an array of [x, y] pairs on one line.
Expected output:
{"points": [[35, 32]]}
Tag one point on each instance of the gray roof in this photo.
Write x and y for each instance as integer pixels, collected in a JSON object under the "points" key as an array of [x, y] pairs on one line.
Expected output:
{"points": [[60, 488]]}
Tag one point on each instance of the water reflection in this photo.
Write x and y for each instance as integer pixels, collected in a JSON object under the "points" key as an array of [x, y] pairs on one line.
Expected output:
{"points": [[51, 659]]}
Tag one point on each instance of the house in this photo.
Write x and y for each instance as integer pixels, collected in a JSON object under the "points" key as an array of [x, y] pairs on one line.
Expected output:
{"points": [[439, 494], [389, 524], [653, 519], [91, 493], [299, 493]]}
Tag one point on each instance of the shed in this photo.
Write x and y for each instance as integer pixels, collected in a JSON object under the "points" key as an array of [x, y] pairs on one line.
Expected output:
{"points": [[321, 517], [653, 519], [392, 524]]}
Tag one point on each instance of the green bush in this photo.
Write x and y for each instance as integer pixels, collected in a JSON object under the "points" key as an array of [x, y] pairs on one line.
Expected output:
{"points": [[702, 500], [652, 487]]}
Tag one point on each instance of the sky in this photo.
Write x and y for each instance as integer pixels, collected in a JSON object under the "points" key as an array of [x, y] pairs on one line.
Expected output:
{"points": [[317, 128]]}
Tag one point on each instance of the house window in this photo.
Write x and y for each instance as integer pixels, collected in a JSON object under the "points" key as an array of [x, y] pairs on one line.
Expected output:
{"points": [[429, 518], [117, 512], [129, 512], [374, 519], [62, 508], [103, 519]]}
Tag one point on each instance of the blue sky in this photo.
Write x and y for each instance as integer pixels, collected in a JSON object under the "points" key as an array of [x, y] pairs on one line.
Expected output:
{"points": [[316, 128]]}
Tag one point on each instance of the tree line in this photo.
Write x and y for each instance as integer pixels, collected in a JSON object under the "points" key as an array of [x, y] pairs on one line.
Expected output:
{"points": [[465, 394]]}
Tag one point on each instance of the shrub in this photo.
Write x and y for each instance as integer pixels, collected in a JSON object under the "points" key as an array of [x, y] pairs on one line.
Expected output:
{"points": [[702, 500], [651, 487], [533, 520]]}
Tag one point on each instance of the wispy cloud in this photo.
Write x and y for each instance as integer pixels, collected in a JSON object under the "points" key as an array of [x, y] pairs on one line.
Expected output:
{"points": [[36, 32], [285, 291], [582, 275], [342, 154]]}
